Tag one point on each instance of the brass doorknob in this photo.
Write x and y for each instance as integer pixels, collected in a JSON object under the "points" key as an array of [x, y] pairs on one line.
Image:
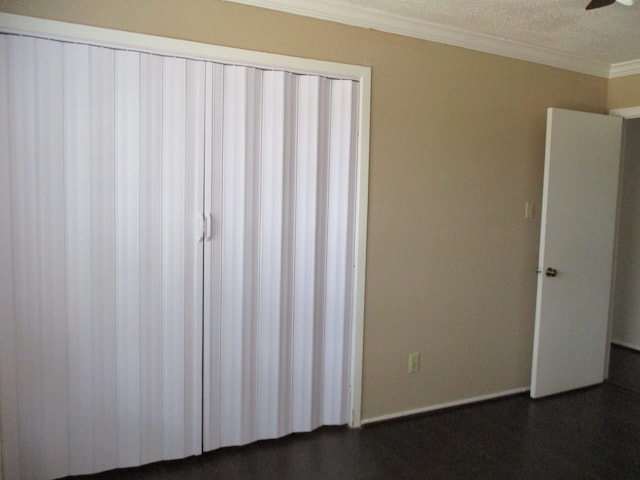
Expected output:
{"points": [[551, 272]]}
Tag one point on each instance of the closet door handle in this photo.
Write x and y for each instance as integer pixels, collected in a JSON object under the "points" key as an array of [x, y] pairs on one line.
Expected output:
{"points": [[203, 227], [208, 229]]}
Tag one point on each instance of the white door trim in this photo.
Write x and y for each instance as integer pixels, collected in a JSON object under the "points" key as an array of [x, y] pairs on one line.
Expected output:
{"points": [[629, 112], [23, 25]]}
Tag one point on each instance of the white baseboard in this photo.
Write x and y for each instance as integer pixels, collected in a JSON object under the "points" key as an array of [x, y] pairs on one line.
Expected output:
{"points": [[626, 344], [442, 406]]}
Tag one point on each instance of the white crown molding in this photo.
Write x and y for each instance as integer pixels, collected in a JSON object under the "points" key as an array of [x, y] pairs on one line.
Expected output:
{"points": [[624, 69], [411, 27]]}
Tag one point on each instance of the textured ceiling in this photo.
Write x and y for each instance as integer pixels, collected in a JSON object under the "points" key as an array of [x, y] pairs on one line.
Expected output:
{"points": [[610, 35]]}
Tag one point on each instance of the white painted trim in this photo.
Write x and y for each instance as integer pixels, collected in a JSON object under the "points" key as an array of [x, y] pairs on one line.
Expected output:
{"points": [[633, 346], [441, 406], [360, 254], [629, 112], [422, 29], [22, 25], [624, 69]]}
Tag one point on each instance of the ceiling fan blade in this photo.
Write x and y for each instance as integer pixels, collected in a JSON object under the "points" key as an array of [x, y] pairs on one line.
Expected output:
{"points": [[599, 3]]}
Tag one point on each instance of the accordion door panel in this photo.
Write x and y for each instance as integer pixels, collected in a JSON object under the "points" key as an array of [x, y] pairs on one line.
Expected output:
{"points": [[176, 242]]}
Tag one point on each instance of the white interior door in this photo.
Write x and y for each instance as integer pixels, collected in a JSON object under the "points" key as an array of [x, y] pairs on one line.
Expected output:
{"points": [[576, 251]]}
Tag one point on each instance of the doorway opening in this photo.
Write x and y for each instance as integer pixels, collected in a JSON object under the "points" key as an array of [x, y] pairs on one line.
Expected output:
{"points": [[624, 357]]}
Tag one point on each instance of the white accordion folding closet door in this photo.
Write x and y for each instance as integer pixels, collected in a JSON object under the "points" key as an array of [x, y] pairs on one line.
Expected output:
{"points": [[278, 265], [101, 317], [177, 254]]}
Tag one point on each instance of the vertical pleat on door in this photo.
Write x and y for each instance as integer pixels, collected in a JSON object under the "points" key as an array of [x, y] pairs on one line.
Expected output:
{"points": [[340, 218], [269, 257], [8, 367], [302, 278], [281, 173], [102, 159]]}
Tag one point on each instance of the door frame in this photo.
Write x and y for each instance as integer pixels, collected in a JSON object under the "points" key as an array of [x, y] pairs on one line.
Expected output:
{"points": [[627, 113], [24, 25]]}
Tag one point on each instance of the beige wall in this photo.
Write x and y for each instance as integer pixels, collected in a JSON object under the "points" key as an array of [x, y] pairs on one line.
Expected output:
{"points": [[624, 92], [457, 147]]}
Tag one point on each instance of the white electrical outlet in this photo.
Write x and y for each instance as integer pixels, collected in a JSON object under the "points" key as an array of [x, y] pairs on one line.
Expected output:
{"points": [[414, 362]]}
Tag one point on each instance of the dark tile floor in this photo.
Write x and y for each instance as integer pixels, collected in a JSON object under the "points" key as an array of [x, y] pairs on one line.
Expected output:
{"points": [[588, 434]]}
